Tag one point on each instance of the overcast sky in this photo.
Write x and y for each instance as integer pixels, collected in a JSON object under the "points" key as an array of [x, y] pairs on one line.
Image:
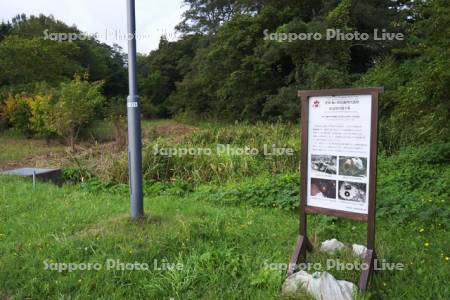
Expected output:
{"points": [[106, 17]]}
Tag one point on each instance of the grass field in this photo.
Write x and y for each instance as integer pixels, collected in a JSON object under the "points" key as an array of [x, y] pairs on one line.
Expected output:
{"points": [[224, 234], [226, 251]]}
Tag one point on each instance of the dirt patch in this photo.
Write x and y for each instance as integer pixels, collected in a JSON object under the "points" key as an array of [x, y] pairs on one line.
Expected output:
{"points": [[63, 156], [175, 131], [23, 152], [95, 156]]}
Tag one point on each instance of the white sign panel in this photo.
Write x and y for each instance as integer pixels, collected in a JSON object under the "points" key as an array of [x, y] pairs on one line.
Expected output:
{"points": [[338, 152]]}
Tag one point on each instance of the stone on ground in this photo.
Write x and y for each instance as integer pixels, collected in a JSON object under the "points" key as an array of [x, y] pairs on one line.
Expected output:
{"points": [[331, 246], [321, 285], [359, 250]]}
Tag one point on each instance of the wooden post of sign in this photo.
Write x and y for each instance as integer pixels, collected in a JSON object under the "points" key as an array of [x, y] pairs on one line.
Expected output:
{"points": [[303, 244]]}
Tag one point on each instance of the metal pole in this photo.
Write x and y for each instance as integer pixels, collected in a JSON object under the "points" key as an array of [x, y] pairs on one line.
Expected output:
{"points": [[134, 121]]}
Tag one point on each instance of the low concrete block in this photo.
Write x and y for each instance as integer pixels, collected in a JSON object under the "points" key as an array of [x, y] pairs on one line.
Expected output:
{"points": [[52, 175]]}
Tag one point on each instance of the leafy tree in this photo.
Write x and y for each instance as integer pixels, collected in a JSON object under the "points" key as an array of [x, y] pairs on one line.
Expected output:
{"points": [[415, 108], [205, 16], [27, 57], [159, 72], [31, 60], [5, 29], [223, 66]]}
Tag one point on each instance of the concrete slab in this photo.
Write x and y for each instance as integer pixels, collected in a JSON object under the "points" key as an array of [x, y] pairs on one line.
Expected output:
{"points": [[53, 175]]}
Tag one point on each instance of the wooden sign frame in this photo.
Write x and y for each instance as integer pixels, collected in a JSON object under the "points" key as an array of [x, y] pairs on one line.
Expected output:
{"points": [[303, 243]]}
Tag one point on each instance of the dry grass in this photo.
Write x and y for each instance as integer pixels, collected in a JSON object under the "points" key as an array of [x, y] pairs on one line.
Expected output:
{"points": [[96, 157]]}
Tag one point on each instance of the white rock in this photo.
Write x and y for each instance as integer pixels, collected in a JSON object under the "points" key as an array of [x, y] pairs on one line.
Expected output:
{"points": [[297, 280], [359, 250], [321, 285], [331, 246]]}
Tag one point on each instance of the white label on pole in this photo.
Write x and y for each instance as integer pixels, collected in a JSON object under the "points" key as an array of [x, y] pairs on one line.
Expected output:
{"points": [[132, 104], [338, 152]]}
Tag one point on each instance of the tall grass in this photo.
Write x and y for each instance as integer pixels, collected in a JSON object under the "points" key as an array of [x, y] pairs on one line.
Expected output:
{"points": [[215, 166]]}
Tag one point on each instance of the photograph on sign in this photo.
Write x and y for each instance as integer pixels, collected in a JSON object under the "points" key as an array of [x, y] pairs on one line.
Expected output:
{"points": [[339, 132], [353, 166], [323, 188], [324, 164], [352, 191]]}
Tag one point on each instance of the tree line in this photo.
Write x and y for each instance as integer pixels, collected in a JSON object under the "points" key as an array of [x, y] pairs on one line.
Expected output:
{"points": [[223, 66]]}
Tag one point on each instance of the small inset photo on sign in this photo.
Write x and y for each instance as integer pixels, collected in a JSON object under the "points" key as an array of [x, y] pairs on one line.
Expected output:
{"points": [[324, 163], [323, 188], [352, 191], [353, 166]]}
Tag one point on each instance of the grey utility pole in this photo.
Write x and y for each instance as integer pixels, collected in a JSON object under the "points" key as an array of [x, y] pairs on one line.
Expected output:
{"points": [[134, 121]]}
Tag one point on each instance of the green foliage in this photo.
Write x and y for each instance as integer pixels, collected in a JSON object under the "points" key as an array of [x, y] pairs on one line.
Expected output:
{"points": [[227, 251], [36, 59], [76, 175], [415, 108], [75, 108], [64, 111], [412, 185], [281, 191], [29, 114], [215, 213], [159, 72], [223, 67], [203, 16], [284, 105], [17, 112], [5, 29], [39, 120], [236, 74], [27, 57], [415, 184], [217, 165]]}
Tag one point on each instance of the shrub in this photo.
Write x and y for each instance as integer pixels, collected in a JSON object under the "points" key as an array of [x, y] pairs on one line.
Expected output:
{"points": [[17, 113], [75, 107], [415, 184], [39, 115]]}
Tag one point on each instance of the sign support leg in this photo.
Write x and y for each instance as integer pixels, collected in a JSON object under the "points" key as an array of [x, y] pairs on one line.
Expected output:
{"points": [[299, 255], [369, 261], [370, 257], [303, 244]]}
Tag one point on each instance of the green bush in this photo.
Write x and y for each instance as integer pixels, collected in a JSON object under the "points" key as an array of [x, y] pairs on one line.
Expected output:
{"points": [[279, 191], [415, 184], [17, 113], [64, 111], [39, 119], [75, 107]]}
